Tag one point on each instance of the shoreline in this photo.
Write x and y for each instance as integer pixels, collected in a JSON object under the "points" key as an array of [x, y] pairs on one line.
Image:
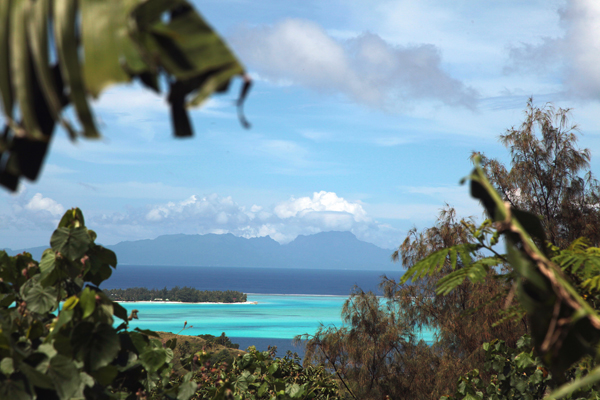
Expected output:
{"points": [[181, 302]]}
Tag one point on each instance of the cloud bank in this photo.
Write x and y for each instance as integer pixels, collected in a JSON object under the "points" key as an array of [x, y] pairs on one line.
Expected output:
{"points": [[575, 56], [284, 221], [365, 68], [37, 213]]}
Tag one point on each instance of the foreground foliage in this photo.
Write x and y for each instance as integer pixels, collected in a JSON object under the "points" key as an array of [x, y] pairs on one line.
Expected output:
{"points": [[58, 339], [511, 374], [260, 375], [97, 44]]}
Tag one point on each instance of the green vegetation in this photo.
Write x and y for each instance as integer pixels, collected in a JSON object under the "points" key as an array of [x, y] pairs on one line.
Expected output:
{"points": [[219, 348], [516, 324], [184, 294], [77, 351], [260, 375], [219, 341]]}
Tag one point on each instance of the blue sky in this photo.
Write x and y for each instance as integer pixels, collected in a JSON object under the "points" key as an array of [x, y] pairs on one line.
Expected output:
{"points": [[364, 114]]}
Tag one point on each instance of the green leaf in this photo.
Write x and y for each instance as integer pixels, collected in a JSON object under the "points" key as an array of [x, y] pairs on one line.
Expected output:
{"points": [[6, 93], [95, 344], [263, 389], [107, 46], [38, 376], [107, 256], [6, 366], [187, 48], [72, 218], [105, 375], [38, 34], [21, 72], [64, 317], [171, 344], [13, 390], [565, 390], [87, 302], [65, 376], [147, 332], [153, 358], [120, 311], [39, 299], [186, 390], [295, 391], [71, 243], [47, 268], [65, 19]]}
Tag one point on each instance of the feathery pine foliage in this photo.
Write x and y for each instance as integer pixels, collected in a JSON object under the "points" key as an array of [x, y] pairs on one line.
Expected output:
{"points": [[97, 44], [376, 352], [549, 175], [372, 354]]}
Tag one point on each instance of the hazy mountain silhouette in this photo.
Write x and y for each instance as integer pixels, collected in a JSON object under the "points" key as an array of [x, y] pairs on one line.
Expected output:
{"points": [[331, 250]]}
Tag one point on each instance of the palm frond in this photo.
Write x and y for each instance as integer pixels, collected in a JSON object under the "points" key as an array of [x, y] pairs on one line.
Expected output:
{"points": [[97, 44]]}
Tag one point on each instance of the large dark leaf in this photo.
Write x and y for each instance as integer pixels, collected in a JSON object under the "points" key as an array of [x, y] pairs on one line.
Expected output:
{"points": [[13, 390], [153, 358], [109, 53], [21, 69], [5, 86], [39, 40], [95, 344], [65, 19], [71, 243], [65, 375], [40, 299]]}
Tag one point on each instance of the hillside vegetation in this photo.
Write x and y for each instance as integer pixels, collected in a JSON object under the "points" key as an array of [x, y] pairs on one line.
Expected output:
{"points": [[184, 294]]}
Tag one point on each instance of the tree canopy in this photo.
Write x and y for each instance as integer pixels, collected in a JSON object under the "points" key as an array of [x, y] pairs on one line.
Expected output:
{"points": [[549, 175]]}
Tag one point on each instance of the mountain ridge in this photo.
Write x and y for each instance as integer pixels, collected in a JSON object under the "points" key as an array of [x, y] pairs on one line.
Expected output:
{"points": [[324, 250]]}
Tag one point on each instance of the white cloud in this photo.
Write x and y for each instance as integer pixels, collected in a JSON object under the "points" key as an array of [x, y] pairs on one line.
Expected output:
{"points": [[575, 55], [365, 68], [284, 221], [41, 203], [320, 202], [30, 215]]}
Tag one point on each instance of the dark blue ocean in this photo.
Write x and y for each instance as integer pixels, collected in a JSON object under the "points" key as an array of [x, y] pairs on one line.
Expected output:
{"points": [[274, 321], [250, 280]]}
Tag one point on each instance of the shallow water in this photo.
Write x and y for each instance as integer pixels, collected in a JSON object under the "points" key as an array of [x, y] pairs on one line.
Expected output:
{"points": [[274, 316]]}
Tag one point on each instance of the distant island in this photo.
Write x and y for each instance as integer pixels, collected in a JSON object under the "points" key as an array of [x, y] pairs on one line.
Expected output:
{"points": [[324, 250], [179, 294]]}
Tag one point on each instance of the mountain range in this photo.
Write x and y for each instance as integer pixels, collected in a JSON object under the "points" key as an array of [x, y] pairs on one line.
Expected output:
{"points": [[325, 250]]}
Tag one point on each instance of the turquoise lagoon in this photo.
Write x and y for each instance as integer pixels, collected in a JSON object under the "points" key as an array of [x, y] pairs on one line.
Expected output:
{"points": [[272, 317]]}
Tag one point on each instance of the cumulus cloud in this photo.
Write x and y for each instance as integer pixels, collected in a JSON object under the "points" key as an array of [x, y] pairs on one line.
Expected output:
{"points": [[41, 203], [575, 56], [284, 221], [32, 213], [365, 68]]}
